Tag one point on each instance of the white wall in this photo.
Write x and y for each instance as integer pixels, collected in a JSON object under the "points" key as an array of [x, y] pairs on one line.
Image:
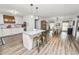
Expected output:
{"points": [[19, 20], [1, 19], [30, 20]]}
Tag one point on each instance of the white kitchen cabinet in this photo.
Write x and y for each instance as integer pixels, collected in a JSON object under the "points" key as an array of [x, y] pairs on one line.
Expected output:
{"points": [[17, 30], [0, 33], [14, 31], [10, 31], [18, 20], [6, 32], [1, 19]]}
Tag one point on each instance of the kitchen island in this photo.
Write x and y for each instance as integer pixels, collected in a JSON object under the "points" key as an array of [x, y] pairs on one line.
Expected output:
{"points": [[4, 32], [28, 38]]}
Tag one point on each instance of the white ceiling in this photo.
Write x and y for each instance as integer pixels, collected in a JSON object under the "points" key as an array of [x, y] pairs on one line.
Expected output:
{"points": [[45, 10]]}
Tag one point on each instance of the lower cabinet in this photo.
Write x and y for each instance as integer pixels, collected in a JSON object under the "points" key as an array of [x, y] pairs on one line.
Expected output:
{"points": [[10, 31]]}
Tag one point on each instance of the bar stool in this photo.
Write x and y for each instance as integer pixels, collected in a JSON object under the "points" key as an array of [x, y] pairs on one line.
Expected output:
{"points": [[37, 39], [43, 40], [44, 36]]}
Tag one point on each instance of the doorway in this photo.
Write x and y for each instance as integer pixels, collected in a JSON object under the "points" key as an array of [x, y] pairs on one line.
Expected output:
{"points": [[65, 25]]}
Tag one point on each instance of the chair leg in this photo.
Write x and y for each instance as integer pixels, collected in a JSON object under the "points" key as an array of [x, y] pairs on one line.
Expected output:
{"points": [[38, 46], [43, 41]]}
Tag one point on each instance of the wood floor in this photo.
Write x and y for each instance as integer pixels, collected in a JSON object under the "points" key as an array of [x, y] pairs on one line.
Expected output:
{"points": [[57, 45]]}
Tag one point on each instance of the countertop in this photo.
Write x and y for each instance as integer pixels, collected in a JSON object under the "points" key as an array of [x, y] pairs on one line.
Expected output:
{"points": [[11, 28], [33, 32]]}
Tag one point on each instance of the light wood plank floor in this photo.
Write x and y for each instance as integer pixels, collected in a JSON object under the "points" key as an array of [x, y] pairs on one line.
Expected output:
{"points": [[57, 45]]}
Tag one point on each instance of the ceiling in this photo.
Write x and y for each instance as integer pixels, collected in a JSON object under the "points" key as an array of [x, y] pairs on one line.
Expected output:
{"points": [[45, 10]]}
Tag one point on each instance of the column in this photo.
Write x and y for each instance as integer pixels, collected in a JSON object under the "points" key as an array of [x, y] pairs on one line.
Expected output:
{"points": [[75, 28]]}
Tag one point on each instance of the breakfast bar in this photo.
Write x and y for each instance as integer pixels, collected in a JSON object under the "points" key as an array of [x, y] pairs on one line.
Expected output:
{"points": [[29, 41]]}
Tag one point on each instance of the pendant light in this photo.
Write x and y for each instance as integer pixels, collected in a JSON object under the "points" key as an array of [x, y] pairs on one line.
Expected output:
{"points": [[37, 17], [31, 10]]}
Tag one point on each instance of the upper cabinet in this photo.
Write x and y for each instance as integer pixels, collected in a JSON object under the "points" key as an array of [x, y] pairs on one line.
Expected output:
{"points": [[11, 19], [1, 19], [18, 20], [8, 19]]}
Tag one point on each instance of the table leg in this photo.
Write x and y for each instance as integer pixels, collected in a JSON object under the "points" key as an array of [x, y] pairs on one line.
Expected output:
{"points": [[2, 40]]}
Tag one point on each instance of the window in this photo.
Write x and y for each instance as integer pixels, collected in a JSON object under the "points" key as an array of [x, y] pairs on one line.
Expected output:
{"points": [[65, 26], [51, 25]]}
